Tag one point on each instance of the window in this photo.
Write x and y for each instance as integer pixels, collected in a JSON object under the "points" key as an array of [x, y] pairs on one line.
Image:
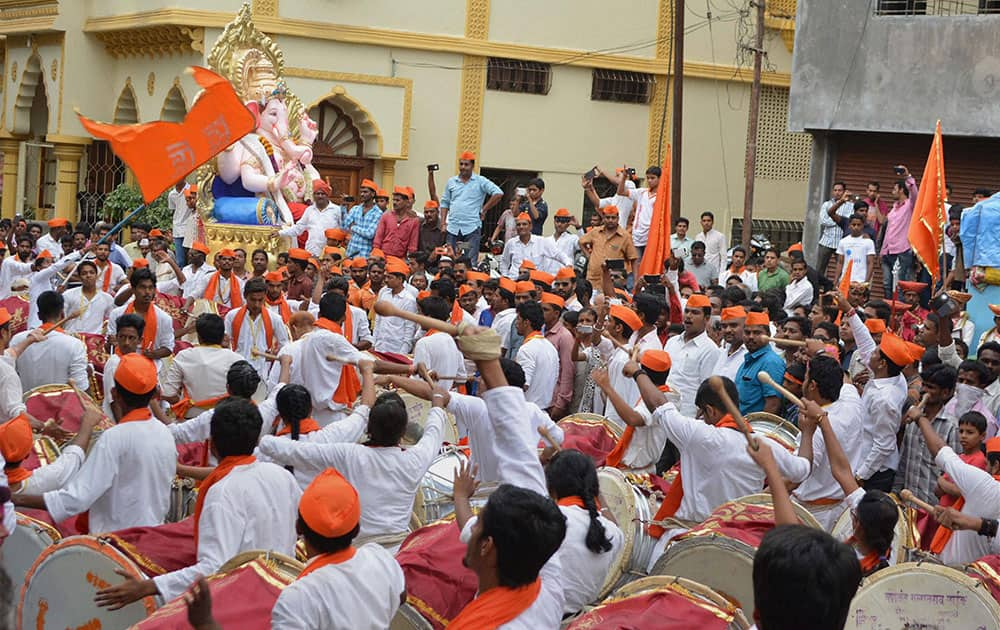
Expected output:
{"points": [[938, 8], [621, 87], [508, 180], [512, 75]]}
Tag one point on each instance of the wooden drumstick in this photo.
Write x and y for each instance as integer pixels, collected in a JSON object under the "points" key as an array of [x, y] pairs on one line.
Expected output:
{"points": [[387, 309], [720, 389], [548, 437], [766, 379], [791, 343], [61, 322], [267, 355], [908, 497], [426, 375]]}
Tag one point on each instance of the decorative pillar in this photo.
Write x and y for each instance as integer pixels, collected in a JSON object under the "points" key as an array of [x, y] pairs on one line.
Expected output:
{"points": [[662, 98], [10, 148], [470, 112], [388, 176], [67, 150]]}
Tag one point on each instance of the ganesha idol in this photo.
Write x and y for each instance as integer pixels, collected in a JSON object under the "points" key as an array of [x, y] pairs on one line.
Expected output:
{"points": [[266, 178]]}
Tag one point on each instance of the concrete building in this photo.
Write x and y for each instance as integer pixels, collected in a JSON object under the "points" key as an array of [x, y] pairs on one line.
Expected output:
{"points": [[534, 88], [871, 79]]}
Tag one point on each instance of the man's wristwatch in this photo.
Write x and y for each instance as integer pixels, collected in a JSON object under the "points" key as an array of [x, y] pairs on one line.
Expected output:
{"points": [[989, 527]]}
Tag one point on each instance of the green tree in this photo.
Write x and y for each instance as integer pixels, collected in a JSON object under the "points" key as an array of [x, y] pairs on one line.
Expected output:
{"points": [[126, 198]]}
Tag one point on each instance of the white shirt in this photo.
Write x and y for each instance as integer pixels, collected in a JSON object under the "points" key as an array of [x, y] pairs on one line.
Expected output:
{"points": [[198, 372], [502, 324], [540, 361], [584, 571], [11, 403], [125, 481], [361, 593], [440, 353], [59, 359], [386, 478], [729, 363], [858, 249], [108, 383], [715, 249], [317, 222], [196, 287], [12, 269], [195, 278], [255, 506], [982, 498], [322, 377], [539, 250], [294, 350], [164, 326], [182, 214], [199, 428], [647, 441], [48, 244], [116, 279], [882, 403], [253, 336], [45, 280], [798, 293], [93, 311], [644, 202], [394, 334], [624, 203], [615, 359], [568, 244], [649, 341], [691, 362], [55, 475]]}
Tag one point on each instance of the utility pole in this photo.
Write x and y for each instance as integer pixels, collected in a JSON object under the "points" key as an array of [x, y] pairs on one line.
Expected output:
{"points": [[677, 113], [751, 161]]}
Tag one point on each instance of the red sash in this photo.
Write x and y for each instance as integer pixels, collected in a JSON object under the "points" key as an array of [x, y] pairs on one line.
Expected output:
{"points": [[149, 330], [224, 468], [350, 385], [327, 559], [614, 458], [212, 290], [268, 328], [496, 607]]}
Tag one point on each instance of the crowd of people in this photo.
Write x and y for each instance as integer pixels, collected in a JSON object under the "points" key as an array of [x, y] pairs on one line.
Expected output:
{"points": [[289, 370]]}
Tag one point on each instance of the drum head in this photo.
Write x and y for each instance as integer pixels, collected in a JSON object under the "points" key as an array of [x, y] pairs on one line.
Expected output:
{"points": [[407, 618], [922, 595], [59, 588], [60, 403], [723, 564], [417, 409], [23, 547], [764, 498], [282, 564], [776, 428], [618, 496]]}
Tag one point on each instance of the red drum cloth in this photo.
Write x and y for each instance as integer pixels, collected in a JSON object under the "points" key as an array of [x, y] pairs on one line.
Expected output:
{"points": [[739, 521], [97, 353], [193, 454], [18, 309], [393, 357], [667, 608], [926, 526], [173, 305], [63, 406], [241, 598], [66, 528], [987, 571], [590, 437], [438, 586], [157, 550]]}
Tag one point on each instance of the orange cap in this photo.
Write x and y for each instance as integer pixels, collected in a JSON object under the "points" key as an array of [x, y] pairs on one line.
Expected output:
{"points": [[336, 234], [140, 263], [381, 193], [462, 290], [565, 273], [524, 216], [623, 294], [732, 312], [191, 191], [273, 276], [333, 250], [996, 309], [401, 190], [227, 253], [430, 203], [875, 326], [359, 263], [478, 276], [321, 186], [330, 505], [423, 294], [58, 222], [655, 360], [757, 318], [626, 315], [156, 233], [16, 440], [467, 155], [198, 246], [369, 184], [552, 298], [563, 212], [540, 276], [4, 316], [993, 445], [916, 351], [524, 286], [797, 247], [136, 374], [909, 285], [509, 285], [44, 254], [312, 261], [899, 306], [526, 264], [609, 210], [397, 267], [700, 300], [896, 349], [297, 253], [377, 253]]}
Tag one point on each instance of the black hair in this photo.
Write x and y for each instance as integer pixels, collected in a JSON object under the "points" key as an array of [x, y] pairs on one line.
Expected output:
{"points": [[708, 214], [324, 544], [66, 239], [254, 285], [140, 225], [537, 181], [796, 370], [654, 170], [901, 183], [571, 317], [648, 306], [140, 275], [891, 366], [131, 321], [445, 289], [210, 328], [337, 283], [943, 376], [333, 306], [881, 308], [584, 290], [877, 515], [294, 405], [992, 346], [258, 251], [513, 372], [828, 376], [24, 238], [242, 379], [707, 395], [974, 418], [436, 307], [532, 313], [526, 529], [733, 296], [830, 328], [840, 183], [50, 306], [505, 295], [570, 473], [741, 249], [803, 323], [682, 220], [790, 556], [800, 261], [983, 374], [697, 245], [387, 420], [983, 192], [236, 425], [131, 400], [86, 263]]}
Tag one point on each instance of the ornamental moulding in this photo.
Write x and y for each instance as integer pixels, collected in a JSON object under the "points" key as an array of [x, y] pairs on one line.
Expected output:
{"points": [[153, 41]]}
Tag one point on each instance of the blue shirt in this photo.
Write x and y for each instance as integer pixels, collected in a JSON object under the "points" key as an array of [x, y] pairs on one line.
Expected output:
{"points": [[362, 227], [464, 202], [752, 391]]}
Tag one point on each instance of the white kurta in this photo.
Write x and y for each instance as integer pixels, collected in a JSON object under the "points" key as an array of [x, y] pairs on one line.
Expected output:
{"points": [[357, 594], [12, 269], [615, 359], [540, 361], [322, 377], [255, 506], [194, 278], [59, 359], [116, 278], [201, 372], [11, 403], [440, 353], [729, 363], [502, 324], [539, 250], [125, 481], [55, 475], [583, 571], [982, 499], [253, 336], [393, 334], [316, 222], [93, 311], [45, 280], [386, 478], [197, 286], [164, 327], [691, 363], [568, 244]]}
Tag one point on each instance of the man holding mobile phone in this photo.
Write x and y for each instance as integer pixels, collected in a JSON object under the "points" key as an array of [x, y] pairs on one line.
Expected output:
{"points": [[610, 242], [896, 244], [463, 206]]}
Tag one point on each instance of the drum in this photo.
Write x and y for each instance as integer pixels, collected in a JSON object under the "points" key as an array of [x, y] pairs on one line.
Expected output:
{"points": [[987, 571], [243, 593], [719, 551], [159, 549], [902, 538], [97, 348], [22, 548], [201, 305], [632, 510], [61, 404], [434, 499], [59, 588], [407, 618], [438, 585], [776, 428], [417, 409], [183, 495], [665, 602], [591, 434], [45, 452], [18, 308], [915, 595]]}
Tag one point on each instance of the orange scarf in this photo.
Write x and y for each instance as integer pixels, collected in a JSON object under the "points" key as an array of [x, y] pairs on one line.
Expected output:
{"points": [[283, 309], [212, 290], [943, 534], [326, 559], [350, 385], [224, 468], [533, 335], [136, 415], [496, 607], [456, 313], [149, 330], [577, 501], [182, 406], [614, 458], [674, 496], [16, 475], [106, 283], [308, 425], [268, 329], [46, 327]]}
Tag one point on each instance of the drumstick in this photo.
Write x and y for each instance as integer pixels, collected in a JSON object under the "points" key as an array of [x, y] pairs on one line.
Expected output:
{"points": [[548, 437], [426, 375], [267, 355], [386, 309], [765, 378], [908, 497], [61, 322], [792, 343], [720, 389]]}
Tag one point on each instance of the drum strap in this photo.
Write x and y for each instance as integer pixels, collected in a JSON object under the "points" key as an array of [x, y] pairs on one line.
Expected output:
{"points": [[386, 540]]}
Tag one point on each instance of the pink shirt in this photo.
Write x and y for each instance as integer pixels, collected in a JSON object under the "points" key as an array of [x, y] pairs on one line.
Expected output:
{"points": [[397, 238], [561, 338], [897, 226]]}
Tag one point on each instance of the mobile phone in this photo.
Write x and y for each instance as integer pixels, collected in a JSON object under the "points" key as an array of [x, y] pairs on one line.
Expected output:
{"points": [[899, 170], [585, 329], [616, 264], [347, 198], [433, 167], [677, 252], [521, 192], [630, 172], [591, 174]]}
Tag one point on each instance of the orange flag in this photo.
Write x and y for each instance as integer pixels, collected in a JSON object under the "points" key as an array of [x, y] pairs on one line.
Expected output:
{"points": [[928, 211], [161, 153], [845, 282], [658, 245]]}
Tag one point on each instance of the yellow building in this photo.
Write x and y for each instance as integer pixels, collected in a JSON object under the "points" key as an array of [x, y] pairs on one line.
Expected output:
{"points": [[546, 88]]}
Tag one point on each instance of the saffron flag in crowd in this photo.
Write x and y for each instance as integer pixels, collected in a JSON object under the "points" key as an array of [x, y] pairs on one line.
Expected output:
{"points": [[161, 153], [928, 211], [845, 282], [658, 245]]}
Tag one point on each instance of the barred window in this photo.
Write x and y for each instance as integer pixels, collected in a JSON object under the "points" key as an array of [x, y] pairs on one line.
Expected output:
{"points": [[513, 75], [938, 7], [621, 87]]}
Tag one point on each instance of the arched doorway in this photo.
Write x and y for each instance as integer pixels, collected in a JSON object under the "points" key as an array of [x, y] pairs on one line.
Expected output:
{"points": [[37, 178], [338, 153]]}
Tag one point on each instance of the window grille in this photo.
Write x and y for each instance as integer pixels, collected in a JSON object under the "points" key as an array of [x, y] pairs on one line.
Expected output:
{"points": [[513, 75], [620, 86]]}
